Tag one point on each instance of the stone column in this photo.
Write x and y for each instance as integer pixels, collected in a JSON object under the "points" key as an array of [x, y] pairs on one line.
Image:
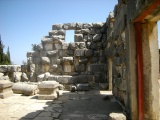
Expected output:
{"points": [[110, 73]]}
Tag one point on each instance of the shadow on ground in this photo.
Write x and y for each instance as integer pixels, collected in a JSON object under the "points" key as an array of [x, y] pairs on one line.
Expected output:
{"points": [[89, 105]]}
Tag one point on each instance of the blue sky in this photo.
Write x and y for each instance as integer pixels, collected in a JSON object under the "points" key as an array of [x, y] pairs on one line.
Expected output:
{"points": [[25, 22]]}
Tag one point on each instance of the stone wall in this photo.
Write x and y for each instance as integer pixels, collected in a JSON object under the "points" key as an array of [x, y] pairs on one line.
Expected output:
{"points": [[81, 61]]}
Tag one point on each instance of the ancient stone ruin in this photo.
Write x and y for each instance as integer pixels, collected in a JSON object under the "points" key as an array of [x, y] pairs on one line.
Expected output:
{"points": [[120, 54]]}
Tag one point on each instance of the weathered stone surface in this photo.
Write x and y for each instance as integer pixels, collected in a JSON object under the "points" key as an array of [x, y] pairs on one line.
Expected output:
{"points": [[56, 32], [69, 26], [25, 89], [57, 46], [65, 46], [40, 77], [48, 90], [80, 68], [48, 84], [98, 24], [103, 86], [48, 46], [82, 45], [85, 31], [79, 52], [116, 116], [57, 38], [78, 38], [79, 25], [73, 46], [57, 26], [45, 60], [97, 67], [47, 40], [53, 53], [17, 76], [88, 52], [83, 87], [87, 25], [67, 59], [97, 37], [24, 77]]}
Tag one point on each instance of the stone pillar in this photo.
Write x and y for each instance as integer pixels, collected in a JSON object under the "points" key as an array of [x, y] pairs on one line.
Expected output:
{"points": [[151, 70], [5, 89], [110, 73]]}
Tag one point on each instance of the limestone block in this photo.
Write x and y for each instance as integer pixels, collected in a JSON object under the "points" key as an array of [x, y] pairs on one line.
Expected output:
{"points": [[84, 78], [88, 45], [80, 68], [54, 67], [57, 46], [67, 68], [48, 46], [94, 60], [79, 52], [93, 45], [32, 68], [83, 87], [90, 37], [65, 46], [70, 52], [97, 67], [77, 32], [78, 37], [97, 37], [82, 45], [69, 26], [3, 68], [24, 77], [53, 53], [1, 75], [5, 89], [98, 24], [65, 79], [87, 25], [48, 90], [67, 59], [55, 38], [85, 31], [57, 26], [17, 76], [84, 60], [79, 26], [88, 53], [14, 68], [56, 32], [48, 84], [73, 46], [47, 40], [46, 75], [40, 77], [29, 54], [85, 37], [45, 60], [117, 116], [25, 89]]}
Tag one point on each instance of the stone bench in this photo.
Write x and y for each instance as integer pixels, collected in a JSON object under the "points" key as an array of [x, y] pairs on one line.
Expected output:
{"points": [[25, 89], [5, 89], [48, 90]]}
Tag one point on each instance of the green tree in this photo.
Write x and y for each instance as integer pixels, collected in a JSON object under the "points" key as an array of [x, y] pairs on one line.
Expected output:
{"points": [[34, 47], [4, 58]]}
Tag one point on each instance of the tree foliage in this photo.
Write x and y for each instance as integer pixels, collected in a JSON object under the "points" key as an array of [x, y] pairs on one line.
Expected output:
{"points": [[34, 47], [4, 58]]}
